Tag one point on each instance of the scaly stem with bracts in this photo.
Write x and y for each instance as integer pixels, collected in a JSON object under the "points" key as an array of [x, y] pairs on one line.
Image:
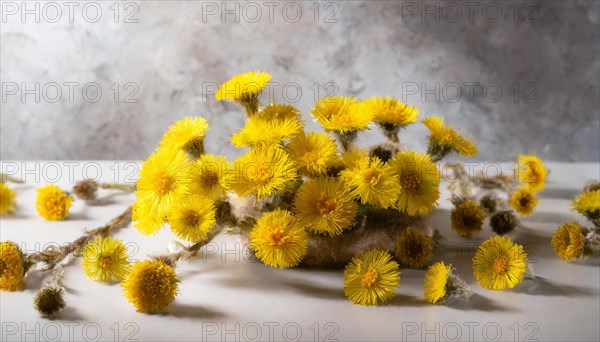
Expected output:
{"points": [[51, 256]]}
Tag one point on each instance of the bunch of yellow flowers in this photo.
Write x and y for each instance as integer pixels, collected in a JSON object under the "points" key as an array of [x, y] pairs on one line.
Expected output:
{"points": [[302, 185]]}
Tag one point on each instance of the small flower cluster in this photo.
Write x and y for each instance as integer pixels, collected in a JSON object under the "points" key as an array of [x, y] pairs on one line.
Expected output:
{"points": [[500, 199]]}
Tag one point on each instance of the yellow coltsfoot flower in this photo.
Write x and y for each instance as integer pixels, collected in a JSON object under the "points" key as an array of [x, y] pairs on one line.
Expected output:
{"points": [[588, 204], [373, 181], [165, 179], [211, 175], [261, 131], [499, 263], [371, 278], [52, 203], [414, 248], [263, 171], [150, 286], [193, 218], [12, 270], [344, 116], [441, 284], [532, 173], [8, 204], [325, 206], [420, 181], [186, 134], [444, 139], [523, 201], [314, 153], [569, 242], [244, 89], [105, 259], [279, 240], [467, 218], [391, 115]]}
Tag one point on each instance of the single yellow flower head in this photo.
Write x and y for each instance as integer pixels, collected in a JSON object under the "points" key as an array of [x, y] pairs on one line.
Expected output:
{"points": [[211, 175], [52, 203], [371, 278], [313, 152], [436, 279], [105, 258], [8, 204], [444, 139], [325, 206], [391, 111], [279, 240], [263, 171], [277, 111], [12, 270], [414, 248], [373, 181], [145, 218], [568, 241], [150, 286], [165, 178], [587, 203], [259, 131], [244, 87], [532, 173], [467, 218], [186, 134], [420, 181], [499, 263], [524, 201], [342, 114], [193, 218]]}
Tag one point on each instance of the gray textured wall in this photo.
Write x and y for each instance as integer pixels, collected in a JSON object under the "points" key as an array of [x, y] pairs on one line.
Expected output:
{"points": [[543, 57]]}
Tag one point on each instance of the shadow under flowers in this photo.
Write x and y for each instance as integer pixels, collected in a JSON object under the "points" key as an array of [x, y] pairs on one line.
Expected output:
{"points": [[541, 286], [478, 302], [317, 291], [181, 310]]}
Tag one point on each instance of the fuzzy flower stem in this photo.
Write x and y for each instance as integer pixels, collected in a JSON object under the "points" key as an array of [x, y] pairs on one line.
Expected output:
{"points": [[8, 178], [87, 188], [51, 255], [190, 251], [118, 186], [346, 139]]}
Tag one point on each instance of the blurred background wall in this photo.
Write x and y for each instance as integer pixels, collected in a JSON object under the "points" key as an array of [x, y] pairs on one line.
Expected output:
{"points": [[103, 80]]}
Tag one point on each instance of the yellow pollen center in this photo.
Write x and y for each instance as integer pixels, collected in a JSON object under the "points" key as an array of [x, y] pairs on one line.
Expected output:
{"points": [[501, 265], [277, 237], [326, 205], [106, 262], [191, 218], [310, 157], [163, 183], [372, 176], [411, 183], [259, 173], [524, 201], [369, 278], [210, 179]]}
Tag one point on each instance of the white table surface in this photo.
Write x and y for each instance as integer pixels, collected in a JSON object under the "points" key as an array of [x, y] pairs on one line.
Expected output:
{"points": [[224, 297]]}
